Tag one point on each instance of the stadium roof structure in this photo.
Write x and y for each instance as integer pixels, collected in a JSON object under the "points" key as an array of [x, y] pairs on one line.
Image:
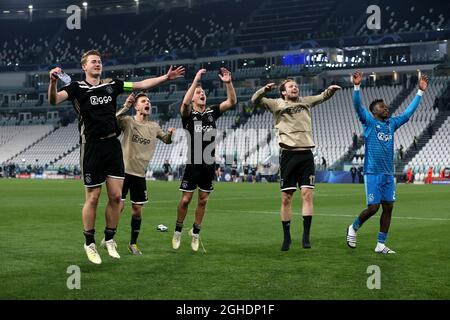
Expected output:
{"points": [[45, 5], [52, 4]]}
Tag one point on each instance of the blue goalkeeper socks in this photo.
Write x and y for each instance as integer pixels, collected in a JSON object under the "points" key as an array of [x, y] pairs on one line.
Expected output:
{"points": [[382, 237], [356, 224]]}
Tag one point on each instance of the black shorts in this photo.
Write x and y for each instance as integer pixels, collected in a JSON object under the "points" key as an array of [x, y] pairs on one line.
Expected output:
{"points": [[137, 187], [296, 168], [198, 175], [101, 159]]}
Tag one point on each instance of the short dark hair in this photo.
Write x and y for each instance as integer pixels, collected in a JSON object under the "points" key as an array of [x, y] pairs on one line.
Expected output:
{"points": [[139, 94], [374, 103], [283, 86]]}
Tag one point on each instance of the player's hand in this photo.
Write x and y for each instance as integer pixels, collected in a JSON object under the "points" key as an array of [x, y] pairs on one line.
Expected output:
{"points": [[334, 88], [225, 75], [175, 74], [171, 131], [130, 101], [199, 74], [423, 83], [357, 77], [52, 74], [269, 87]]}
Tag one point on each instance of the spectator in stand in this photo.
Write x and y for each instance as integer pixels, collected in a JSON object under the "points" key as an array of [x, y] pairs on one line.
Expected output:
{"points": [[253, 174], [429, 178], [353, 171], [234, 173], [360, 174], [409, 175], [355, 141], [218, 171], [324, 163], [415, 142], [167, 169], [400, 152], [246, 168]]}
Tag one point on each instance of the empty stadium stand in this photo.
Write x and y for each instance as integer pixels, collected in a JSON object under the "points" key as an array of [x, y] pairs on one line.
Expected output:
{"points": [[14, 139], [284, 21], [49, 149], [435, 153]]}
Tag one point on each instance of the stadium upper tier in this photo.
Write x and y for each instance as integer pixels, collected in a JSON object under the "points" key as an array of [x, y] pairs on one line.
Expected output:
{"points": [[398, 17], [205, 27], [49, 41]]}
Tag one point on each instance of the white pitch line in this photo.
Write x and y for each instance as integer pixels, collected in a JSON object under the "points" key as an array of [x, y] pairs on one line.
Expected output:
{"points": [[316, 214], [339, 215]]}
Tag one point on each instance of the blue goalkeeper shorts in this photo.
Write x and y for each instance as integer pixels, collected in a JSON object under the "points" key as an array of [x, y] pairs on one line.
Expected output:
{"points": [[379, 187]]}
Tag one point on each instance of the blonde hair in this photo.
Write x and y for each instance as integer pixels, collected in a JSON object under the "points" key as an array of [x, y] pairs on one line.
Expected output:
{"points": [[91, 52]]}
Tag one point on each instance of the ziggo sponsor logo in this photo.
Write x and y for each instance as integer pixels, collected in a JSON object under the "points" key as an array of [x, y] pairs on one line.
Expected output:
{"points": [[100, 100]]}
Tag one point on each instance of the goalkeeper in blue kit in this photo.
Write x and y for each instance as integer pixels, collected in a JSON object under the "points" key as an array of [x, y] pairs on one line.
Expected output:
{"points": [[379, 131]]}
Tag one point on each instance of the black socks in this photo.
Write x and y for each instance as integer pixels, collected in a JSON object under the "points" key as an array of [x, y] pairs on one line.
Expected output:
{"points": [[135, 229], [287, 235], [196, 228], [307, 224], [89, 235], [109, 233], [178, 226], [306, 228]]}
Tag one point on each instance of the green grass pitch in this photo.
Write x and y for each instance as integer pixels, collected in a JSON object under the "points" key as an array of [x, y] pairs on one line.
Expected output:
{"points": [[41, 236]]}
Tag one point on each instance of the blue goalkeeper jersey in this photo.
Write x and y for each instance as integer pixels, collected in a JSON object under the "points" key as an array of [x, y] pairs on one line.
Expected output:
{"points": [[379, 135]]}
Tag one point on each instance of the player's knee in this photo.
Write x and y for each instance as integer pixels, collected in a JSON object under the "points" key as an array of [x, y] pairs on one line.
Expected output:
{"points": [[92, 199], [115, 197], [202, 201], [136, 210], [185, 200], [137, 214], [387, 209], [307, 195], [373, 208], [286, 200]]}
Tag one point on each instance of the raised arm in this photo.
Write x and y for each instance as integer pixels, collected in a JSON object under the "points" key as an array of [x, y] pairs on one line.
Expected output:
{"points": [[231, 93], [259, 99], [121, 114], [153, 82], [357, 104], [126, 106], [324, 96], [407, 114], [55, 97], [185, 108]]}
